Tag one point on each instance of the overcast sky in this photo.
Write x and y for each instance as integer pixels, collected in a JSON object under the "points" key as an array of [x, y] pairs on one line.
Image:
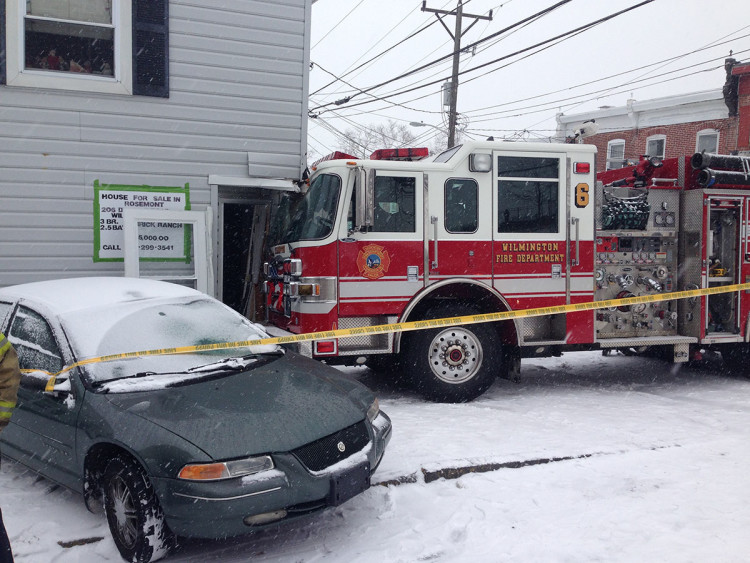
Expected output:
{"points": [[662, 48]]}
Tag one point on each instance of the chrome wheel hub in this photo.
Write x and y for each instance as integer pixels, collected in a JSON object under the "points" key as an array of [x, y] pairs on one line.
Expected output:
{"points": [[455, 355]]}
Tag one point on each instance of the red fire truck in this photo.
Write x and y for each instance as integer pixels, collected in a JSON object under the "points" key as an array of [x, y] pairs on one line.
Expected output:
{"points": [[500, 226]]}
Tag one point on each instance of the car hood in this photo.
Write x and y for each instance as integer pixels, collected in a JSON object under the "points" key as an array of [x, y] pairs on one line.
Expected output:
{"points": [[275, 407]]}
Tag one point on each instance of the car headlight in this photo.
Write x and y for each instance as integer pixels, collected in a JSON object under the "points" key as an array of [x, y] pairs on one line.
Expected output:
{"points": [[373, 411], [225, 469]]}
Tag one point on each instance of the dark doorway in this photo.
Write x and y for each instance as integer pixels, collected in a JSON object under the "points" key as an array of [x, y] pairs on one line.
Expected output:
{"points": [[237, 228]]}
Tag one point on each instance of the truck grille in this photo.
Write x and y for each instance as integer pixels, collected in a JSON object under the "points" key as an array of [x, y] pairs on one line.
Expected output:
{"points": [[325, 452]]}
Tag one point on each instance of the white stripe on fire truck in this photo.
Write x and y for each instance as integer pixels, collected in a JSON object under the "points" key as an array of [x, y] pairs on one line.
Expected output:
{"points": [[410, 326], [376, 289]]}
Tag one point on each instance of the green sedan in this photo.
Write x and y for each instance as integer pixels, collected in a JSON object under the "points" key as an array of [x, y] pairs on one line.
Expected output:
{"points": [[130, 397]]}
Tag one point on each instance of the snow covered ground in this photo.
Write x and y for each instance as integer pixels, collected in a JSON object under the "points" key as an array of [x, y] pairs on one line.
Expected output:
{"points": [[589, 458]]}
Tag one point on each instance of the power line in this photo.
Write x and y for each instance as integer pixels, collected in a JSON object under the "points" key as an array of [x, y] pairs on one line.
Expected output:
{"points": [[337, 24], [448, 56], [407, 38], [505, 57]]}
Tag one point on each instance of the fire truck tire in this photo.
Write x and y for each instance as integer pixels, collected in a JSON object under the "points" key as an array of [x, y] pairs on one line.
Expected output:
{"points": [[737, 358], [454, 364]]}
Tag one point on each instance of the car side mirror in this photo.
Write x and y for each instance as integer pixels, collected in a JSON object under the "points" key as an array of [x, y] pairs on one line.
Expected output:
{"points": [[34, 379], [38, 380]]}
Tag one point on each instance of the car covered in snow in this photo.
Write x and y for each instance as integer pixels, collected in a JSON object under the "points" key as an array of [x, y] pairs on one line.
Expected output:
{"points": [[158, 405]]}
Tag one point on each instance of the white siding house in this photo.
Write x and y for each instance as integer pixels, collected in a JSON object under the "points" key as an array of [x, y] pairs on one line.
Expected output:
{"points": [[209, 99]]}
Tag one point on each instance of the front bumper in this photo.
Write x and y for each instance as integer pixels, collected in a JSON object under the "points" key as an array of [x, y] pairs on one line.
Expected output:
{"points": [[217, 509], [302, 348]]}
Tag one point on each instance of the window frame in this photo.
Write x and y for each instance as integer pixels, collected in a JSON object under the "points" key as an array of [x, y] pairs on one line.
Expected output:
{"points": [[660, 137], [120, 83], [610, 144], [705, 133]]}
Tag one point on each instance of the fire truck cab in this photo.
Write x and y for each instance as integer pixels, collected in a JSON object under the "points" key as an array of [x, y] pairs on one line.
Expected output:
{"points": [[499, 226]]}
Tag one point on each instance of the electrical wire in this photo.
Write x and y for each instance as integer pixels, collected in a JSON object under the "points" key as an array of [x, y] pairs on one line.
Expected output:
{"points": [[337, 24], [448, 56], [572, 32]]}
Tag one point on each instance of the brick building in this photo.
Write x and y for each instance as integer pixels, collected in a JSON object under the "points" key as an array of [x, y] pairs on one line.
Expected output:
{"points": [[713, 121]]}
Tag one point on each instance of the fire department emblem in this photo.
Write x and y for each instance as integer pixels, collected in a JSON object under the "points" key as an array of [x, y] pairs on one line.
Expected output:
{"points": [[373, 261]]}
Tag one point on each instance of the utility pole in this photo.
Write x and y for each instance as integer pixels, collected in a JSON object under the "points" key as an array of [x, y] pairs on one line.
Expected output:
{"points": [[456, 36]]}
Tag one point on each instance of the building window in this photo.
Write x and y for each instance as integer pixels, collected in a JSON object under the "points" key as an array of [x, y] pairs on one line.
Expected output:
{"points": [[104, 46], [69, 36], [527, 194], [707, 141], [615, 154], [656, 145]]}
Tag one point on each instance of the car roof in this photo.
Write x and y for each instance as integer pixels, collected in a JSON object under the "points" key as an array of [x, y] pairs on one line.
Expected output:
{"points": [[76, 294]]}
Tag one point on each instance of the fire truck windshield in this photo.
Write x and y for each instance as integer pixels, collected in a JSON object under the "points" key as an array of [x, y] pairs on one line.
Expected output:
{"points": [[313, 216]]}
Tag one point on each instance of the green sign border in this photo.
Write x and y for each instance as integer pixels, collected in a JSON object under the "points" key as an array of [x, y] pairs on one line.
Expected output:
{"points": [[122, 188]]}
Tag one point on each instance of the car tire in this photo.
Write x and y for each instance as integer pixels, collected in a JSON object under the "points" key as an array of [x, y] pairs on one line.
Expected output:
{"points": [[135, 517], [453, 364]]}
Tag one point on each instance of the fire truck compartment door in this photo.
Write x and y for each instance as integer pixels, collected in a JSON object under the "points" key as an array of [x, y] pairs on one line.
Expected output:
{"points": [[530, 236], [724, 252], [381, 269]]}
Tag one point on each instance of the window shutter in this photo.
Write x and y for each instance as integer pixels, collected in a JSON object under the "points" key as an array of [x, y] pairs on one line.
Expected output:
{"points": [[2, 42], [151, 48]]}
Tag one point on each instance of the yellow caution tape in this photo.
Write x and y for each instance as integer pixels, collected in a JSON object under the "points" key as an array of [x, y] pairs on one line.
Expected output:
{"points": [[409, 326]]}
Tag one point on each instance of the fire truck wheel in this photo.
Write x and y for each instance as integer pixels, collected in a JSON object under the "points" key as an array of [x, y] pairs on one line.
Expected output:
{"points": [[737, 358], [456, 364]]}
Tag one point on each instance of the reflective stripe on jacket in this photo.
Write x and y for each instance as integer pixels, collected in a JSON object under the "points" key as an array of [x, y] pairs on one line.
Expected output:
{"points": [[10, 377]]}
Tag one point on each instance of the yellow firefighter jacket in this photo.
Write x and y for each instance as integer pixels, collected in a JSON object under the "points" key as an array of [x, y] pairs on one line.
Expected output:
{"points": [[10, 377]]}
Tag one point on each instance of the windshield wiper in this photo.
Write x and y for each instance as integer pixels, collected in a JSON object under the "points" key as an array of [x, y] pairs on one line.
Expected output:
{"points": [[239, 363]]}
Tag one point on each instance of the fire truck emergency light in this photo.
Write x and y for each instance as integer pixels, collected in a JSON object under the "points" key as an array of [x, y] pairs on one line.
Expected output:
{"points": [[582, 168], [480, 162]]}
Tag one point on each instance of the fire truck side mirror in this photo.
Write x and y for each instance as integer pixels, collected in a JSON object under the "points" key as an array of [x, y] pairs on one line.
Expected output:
{"points": [[365, 200]]}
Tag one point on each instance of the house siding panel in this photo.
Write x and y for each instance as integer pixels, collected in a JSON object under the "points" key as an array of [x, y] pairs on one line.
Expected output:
{"points": [[237, 98]]}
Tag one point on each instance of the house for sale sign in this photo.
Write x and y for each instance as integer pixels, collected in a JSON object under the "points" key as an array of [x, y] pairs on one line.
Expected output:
{"points": [[157, 240]]}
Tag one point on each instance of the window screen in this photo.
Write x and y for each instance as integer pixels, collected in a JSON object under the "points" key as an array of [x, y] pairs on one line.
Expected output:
{"points": [[615, 154], [655, 147], [708, 142], [394, 204], [528, 194]]}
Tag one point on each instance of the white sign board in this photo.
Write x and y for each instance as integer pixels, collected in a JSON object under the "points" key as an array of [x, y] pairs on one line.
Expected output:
{"points": [[158, 240]]}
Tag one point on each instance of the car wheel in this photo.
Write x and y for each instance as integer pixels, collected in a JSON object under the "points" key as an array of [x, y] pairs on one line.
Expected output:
{"points": [[135, 517], [454, 364]]}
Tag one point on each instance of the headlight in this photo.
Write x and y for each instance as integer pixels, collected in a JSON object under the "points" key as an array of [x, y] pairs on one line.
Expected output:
{"points": [[225, 469], [373, 411]]}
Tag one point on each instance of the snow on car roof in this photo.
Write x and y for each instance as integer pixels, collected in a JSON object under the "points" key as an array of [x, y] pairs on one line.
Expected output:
{"points": [[75, 294]]}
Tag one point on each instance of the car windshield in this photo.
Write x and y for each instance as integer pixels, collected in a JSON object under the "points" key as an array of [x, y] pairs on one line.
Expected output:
{"points": [[157, 325], [313, 216]]}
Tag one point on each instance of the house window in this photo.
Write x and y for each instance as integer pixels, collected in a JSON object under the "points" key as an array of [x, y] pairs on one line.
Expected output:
{"points": [[707, 141], [69, 36], [615, 154], [656, 145], [104, 46]]}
